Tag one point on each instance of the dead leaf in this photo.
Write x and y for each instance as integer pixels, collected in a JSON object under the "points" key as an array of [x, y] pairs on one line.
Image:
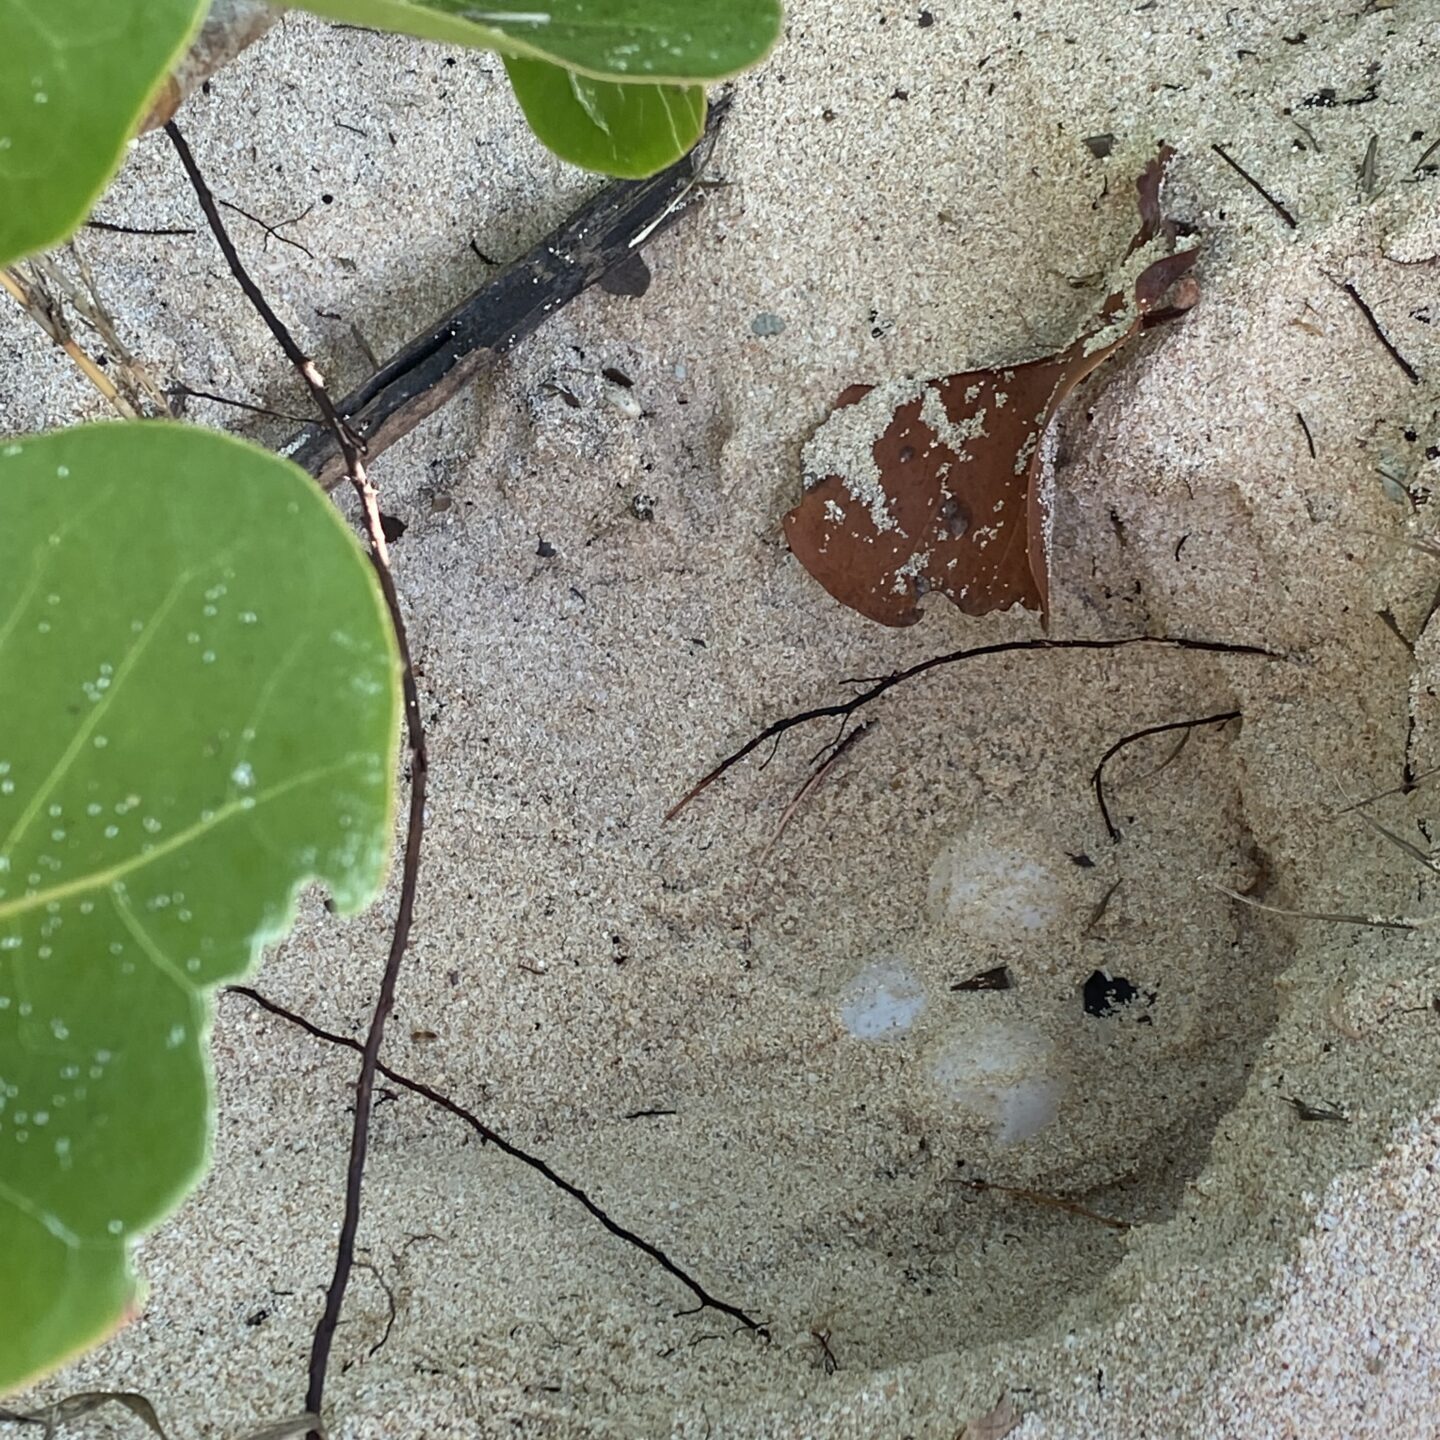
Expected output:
{"points": [[994, 1424], [53, 1418], [939, 485], [296, 1425]]}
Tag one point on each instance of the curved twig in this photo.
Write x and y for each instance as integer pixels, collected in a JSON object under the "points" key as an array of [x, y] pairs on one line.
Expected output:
{"points": [[493, 1137], [1097, 780], [846, 708]]}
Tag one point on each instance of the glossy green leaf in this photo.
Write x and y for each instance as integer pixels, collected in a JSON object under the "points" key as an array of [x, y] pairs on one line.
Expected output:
{"points": [[626, 130], [75, 80], [676, 41], [198, 712]]}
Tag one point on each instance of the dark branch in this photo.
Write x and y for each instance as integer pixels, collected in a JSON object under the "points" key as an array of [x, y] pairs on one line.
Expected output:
{"points": [[432, 369], [293, 353], [846, 708], [493, 1137], [350, 448], [1098, 778]]}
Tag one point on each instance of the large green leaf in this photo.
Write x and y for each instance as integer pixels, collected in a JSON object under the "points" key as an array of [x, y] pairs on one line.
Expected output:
{"points": [[198, 712], [677, 41], [625, 130], [75, 76]]}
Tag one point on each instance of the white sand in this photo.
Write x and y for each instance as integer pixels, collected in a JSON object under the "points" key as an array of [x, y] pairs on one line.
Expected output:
{"points": [[578, 960]]}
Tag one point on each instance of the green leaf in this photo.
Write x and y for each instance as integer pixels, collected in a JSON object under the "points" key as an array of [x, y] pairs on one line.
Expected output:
{"points": [[626, 130], [674, 41], [75, 79], [199, 691]]}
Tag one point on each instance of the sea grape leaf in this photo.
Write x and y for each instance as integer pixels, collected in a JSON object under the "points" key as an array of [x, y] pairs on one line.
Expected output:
{"points": [[75, 79], [672, 41], [941, 484], [199, 690], [625, 130]]}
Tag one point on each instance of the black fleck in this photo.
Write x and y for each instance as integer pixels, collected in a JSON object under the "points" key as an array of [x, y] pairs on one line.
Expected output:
{"points": [[1104, 994]]}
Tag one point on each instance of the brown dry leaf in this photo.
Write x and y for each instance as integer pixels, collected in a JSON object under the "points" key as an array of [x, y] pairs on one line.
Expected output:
{"points": [[939, 485], [995, 1424]]}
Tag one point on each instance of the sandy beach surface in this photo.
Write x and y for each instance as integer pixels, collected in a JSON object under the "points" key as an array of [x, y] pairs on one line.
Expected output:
{"points": [[747, 1045]]}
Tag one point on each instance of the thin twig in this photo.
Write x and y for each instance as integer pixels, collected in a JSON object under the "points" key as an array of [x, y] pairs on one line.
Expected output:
{"points": [[1394, 790], [1256, 186], [1388, 620], [847, 708], [272, 229], [81, 290], [1097, 780], [191, 393], [60, 335], [493, 1137], [1373, 922], [1410, 372], [293, 353], [419, 773], [812, 783], [113, 229], [1305, 1111], [1421, 857], [1053, 1202], [1099, 912], [1309, 438], [60, 1413], [391, 1313]]}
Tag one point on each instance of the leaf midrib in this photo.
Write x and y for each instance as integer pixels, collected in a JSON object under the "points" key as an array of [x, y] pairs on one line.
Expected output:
{"points": [[102, 879]]}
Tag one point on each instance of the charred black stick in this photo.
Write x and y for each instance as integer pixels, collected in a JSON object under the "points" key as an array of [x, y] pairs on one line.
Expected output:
{"points": [[603, 236]]}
